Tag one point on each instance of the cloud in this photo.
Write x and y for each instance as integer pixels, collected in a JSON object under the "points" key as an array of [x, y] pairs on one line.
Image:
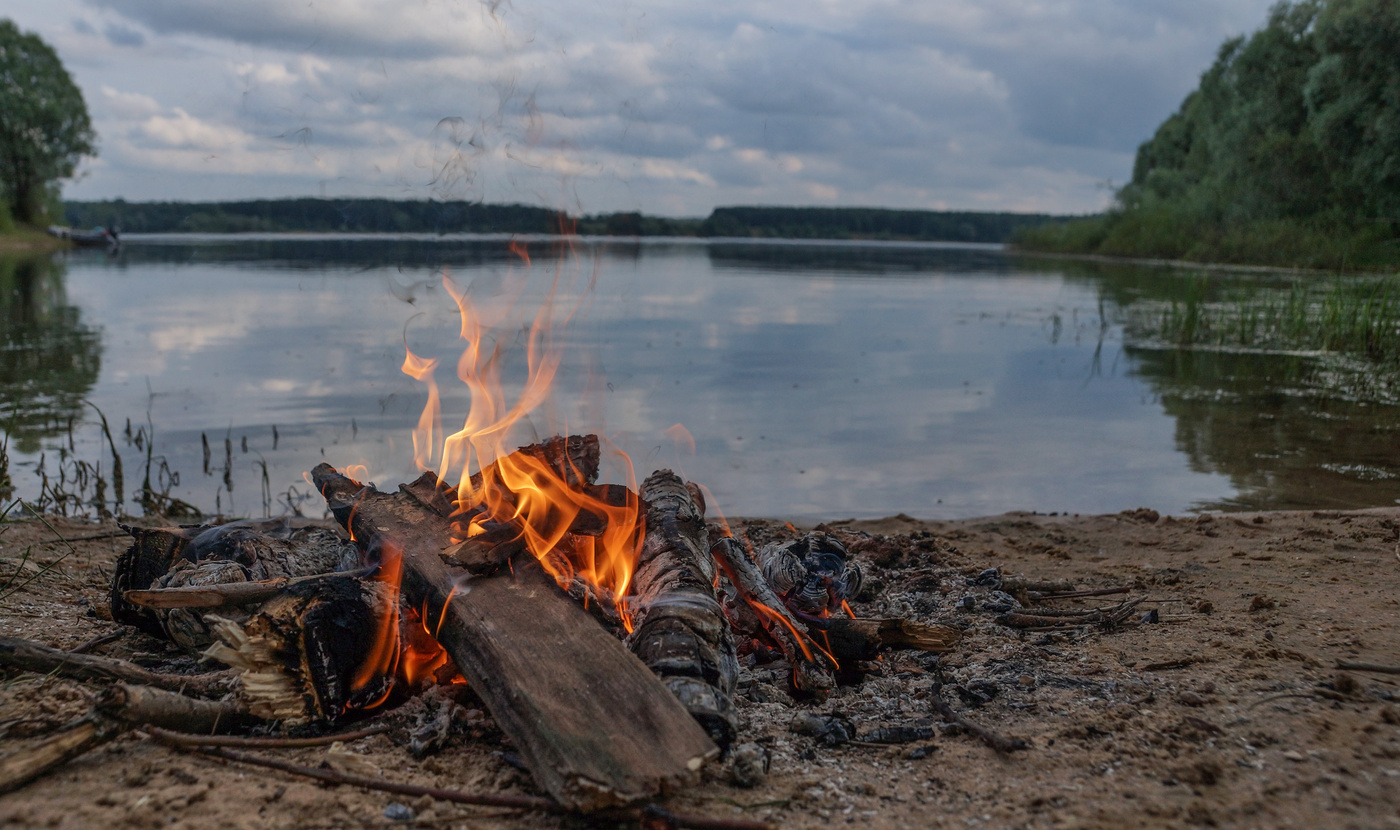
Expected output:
{"points": [[988, 104], [120, 35]]}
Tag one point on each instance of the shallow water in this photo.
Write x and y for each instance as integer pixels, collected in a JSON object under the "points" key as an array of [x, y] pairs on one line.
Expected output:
{"points": [[817, 380]]}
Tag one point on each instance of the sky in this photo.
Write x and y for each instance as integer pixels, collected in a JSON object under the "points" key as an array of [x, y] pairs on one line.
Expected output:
{"points": [[670, 108]]}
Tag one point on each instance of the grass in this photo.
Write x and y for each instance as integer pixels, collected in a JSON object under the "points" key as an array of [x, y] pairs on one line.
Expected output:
{"points": [[1353, 316]]}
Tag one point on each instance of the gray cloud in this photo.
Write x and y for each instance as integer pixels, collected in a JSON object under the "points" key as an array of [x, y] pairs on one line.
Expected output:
{"points": [[120, 35], [670, 108]]}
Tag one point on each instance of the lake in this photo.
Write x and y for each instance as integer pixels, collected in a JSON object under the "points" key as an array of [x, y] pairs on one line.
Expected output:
{"points": [[818, 380]]}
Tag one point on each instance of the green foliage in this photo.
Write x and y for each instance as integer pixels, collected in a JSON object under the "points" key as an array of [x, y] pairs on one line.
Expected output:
{"points": [[1287, 153], [867, 223], [44, 126]]}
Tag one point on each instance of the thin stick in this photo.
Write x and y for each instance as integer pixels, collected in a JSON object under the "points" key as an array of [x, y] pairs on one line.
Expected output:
{"points": [[518, 802], [1101, 592], [190, 740], [1374, 667], [217, 596], [1000, 743], [26, 655], [100, 639]]}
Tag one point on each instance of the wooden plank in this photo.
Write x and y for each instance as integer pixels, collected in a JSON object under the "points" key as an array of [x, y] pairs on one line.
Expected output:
{"points": [[593, 724]]}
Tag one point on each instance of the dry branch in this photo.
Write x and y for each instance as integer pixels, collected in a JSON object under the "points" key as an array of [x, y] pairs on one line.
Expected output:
{"points": [[69, 742], [25, 655]]}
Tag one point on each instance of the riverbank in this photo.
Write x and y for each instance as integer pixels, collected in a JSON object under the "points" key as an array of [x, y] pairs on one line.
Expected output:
{"points": [[1227, 710], [23, 241], [1148, 237]]}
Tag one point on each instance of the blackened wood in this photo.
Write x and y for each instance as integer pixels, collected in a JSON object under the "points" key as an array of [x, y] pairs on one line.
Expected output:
{"points": [[302, 651], [812, 670], [680, 630], [233, 553], [26, 655], [592, 723]]}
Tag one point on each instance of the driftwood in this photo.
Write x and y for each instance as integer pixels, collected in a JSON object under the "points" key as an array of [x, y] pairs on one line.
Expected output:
{"points": [[811, 669], [680, 631], [594, 725], [25, 655]]}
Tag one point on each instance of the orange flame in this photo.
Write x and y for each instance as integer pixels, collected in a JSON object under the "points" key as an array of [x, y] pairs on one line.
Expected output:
{"points": [[520, 489], [401, 648]]}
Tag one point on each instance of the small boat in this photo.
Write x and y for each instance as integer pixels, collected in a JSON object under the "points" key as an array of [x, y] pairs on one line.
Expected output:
{"points": [[95, 238]]}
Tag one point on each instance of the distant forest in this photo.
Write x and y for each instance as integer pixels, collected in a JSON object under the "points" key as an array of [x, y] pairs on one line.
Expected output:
{"points": [[390, 216], [1288, 152]]}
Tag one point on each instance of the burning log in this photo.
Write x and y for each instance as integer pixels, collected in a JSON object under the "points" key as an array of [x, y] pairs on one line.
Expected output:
{"points": [[680, 630], [237, 552], [591, 722], [302, 653], [811, 669]]}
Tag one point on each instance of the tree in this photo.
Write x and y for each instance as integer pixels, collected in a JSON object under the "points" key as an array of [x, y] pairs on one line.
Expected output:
{"points": [[44, 125]]}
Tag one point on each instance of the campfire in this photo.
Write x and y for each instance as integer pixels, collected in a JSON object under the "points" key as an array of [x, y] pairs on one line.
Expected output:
{"points": [[602, 625]]}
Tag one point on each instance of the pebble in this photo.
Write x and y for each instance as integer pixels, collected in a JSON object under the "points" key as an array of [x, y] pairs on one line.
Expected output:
{"points": [[1294, 755], [398, 812]]}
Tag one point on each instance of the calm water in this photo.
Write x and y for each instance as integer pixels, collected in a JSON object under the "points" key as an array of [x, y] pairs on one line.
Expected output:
{"points": [[826, 380]]}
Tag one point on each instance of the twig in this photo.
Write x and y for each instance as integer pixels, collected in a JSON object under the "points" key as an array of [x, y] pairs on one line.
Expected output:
{"points": [[1101, 592], [100, 639], [190, 740], [1272, 698], [1372, 667], [217, 596], [1000, 743], [518, 802], [26, 655]]}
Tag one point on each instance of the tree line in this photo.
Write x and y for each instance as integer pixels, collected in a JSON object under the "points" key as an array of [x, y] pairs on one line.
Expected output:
{"points": [[1288, 152], [429, 216]]}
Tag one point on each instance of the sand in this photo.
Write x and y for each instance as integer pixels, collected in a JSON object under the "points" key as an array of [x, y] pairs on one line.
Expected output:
{"points": [[1228, 711]]}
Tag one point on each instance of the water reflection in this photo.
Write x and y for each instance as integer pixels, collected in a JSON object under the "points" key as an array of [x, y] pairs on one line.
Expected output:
{"points": [[49, 356], [1265, 421], [817, 379]]}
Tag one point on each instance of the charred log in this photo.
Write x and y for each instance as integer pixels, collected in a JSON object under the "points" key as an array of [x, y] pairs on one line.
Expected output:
{"points": [[301, 654], [680, 630], [237, 552]]}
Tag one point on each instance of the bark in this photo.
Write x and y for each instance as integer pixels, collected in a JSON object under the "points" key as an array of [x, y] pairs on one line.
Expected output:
{"points": [[680, 630]]}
